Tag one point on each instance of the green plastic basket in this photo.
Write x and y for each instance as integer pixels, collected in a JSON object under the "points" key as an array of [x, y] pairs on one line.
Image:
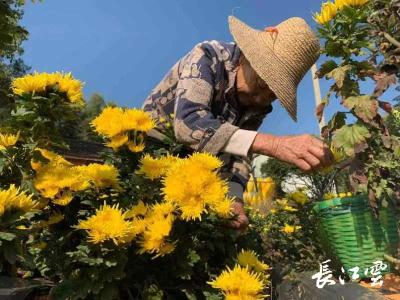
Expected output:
{"points": [[353, 236]]}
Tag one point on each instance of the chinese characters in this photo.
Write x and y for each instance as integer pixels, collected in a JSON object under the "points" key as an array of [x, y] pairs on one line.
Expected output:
{"points": [[325, 276]]}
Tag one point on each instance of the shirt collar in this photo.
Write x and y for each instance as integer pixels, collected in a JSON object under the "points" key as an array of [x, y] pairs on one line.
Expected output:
{"points": [[231, 66]]}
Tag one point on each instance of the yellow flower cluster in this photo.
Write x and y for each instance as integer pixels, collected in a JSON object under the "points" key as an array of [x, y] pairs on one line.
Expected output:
{"points": [[342, 3], [13, 199], [290, 228], [330, 9], [156, 226], [108, 223], [151, 225], [42, 82], [123, 127], [299, 197], [193, 185], [249, 259], [283, 205], [328, 12], [259, 191], [239, 283], [154, 168], [58, 179], [8, 140], [329, 196]]}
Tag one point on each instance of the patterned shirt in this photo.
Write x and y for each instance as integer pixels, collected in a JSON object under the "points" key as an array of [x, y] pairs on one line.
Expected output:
{"points": [[198, 96]]}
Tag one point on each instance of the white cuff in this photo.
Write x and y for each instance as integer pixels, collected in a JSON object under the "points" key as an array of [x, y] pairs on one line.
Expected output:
{"points": [[240, 142]]}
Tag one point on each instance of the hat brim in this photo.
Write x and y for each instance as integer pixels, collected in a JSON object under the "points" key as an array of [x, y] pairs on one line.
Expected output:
{"points": [[258, 48]]}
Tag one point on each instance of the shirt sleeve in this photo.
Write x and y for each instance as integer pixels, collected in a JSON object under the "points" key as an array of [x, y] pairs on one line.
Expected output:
{"points": [[194, 123], [240, 142]]}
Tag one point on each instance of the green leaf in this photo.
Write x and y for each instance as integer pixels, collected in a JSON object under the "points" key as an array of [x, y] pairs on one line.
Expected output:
{"points": [[338, 120], [7, 236], [326, 68], [20, 112], [350, 136], [193, 258], [365, 107], [339, 74], [397, 151], [65, 290], [334, 49]]}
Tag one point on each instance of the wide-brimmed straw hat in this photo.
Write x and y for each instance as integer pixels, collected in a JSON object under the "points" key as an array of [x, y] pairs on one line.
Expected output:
{"points": [[280, 55]]}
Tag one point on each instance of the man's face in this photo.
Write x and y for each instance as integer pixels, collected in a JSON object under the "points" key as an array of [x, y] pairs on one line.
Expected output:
{"points": [[252, 91]]}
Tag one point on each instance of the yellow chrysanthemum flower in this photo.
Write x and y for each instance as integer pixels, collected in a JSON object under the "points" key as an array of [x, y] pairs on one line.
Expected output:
{"points": [[139, 119], [64, 199], [239, 282], [133, 147], [70, 86], [267, 188], [290, 228], [13, 199], [250, 185], [299, 197], [58, 178], [282, 204], [154, 224], [328, 12], [248, 258], [8, 140], [156, 232], [259, 192], [101, 175], [206, 160], [109, 124], [154, 168], [118, 141], [223, 208], [138, 227], [54, 158], [193, 188], [55, 178], [162, 209], [31, 83], [39, 82], [115, 121], [342, 3], [35, 165], [139, 209], [108, 223], [52, 179]]}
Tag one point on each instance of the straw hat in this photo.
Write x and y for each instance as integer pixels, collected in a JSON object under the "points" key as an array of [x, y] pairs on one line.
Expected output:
{"points": [[280, 55]]}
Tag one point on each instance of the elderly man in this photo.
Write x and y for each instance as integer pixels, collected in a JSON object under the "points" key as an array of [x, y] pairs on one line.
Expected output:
{"points": [[218, 94]]}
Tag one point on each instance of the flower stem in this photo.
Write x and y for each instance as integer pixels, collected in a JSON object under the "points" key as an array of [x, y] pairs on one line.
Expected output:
{"points": [[391, 39]]}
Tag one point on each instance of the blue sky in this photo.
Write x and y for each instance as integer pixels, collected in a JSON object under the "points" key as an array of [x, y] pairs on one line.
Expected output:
{"points": [[121, 49]]}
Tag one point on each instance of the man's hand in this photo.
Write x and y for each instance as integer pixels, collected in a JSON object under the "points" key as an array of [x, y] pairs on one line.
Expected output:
{"points": [[241, 221], [305, 151]]}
